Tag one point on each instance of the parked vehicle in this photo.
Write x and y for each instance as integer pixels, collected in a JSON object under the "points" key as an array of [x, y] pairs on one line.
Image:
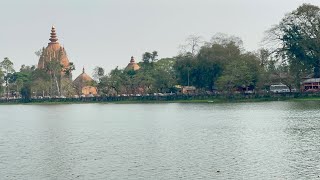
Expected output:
{"points": [[249, 92], [279, 88]]}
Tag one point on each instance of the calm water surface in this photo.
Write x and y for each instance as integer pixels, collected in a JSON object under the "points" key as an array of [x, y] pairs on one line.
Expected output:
{"points": [[274, 140]]}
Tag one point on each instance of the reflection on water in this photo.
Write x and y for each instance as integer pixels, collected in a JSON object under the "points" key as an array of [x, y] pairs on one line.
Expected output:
{"points": [[274, 140]]}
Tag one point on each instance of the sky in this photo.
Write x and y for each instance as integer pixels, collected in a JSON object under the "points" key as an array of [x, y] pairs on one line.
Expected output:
{"points": [[107, 33]]}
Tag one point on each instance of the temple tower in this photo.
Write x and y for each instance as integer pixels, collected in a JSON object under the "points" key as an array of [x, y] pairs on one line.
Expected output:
{"points": [[54, 51]]}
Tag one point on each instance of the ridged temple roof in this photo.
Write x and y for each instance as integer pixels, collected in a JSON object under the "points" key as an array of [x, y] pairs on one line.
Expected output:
{"points": [[132, 65], [83, 78]]}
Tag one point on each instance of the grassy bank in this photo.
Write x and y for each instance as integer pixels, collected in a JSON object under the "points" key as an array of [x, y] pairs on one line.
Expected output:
{"points": [[306, 99]]}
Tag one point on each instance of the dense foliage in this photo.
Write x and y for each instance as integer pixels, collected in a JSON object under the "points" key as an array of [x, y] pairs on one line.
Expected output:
{"points": [[296, 41]]}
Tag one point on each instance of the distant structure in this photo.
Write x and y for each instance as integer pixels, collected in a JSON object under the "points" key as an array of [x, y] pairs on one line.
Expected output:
{"points": [[132, 65], [54, 51], [311, 85], [188, 90], [85, 84]]}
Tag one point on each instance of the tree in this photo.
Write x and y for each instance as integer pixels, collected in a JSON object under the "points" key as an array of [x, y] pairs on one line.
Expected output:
{"points": [[298, 40], [27, 69], [54, 68], [41, 81], [26, 92], [164, 75], [113, 83], [18, 79], [68, 87], [148, 57], [7, 68], [1, 80], [98, 72], [192, 45], [184, 67], [224, 40], [39, 52], [240, 74], [68, 70]]}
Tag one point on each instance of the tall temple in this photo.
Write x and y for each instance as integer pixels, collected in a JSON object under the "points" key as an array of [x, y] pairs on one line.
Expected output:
{"points": [[54, 51]]}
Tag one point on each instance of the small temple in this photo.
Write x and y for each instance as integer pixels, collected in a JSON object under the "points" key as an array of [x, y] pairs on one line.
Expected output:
{"points": [[84, 84], [54, 51], [132, 65]]}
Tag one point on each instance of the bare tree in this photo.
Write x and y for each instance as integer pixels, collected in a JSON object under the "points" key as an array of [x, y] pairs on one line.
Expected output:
{"points": [[192, 45], [225, 39], [39, 52]]}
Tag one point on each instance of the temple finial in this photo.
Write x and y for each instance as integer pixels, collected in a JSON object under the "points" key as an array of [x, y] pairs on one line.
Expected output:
{"points": [[53, 36], [132, 59], [83, 70]]}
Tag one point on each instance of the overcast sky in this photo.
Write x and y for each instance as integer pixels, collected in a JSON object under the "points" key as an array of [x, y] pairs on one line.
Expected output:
{"points": [[108, 32]]}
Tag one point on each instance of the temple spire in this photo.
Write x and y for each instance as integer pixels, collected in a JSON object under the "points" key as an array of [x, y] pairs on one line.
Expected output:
{"points": [[132, 59], [53, 36], [83, 70]]}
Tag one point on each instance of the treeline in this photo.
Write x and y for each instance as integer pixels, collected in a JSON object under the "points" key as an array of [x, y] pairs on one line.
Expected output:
{"points": [[219, 65], [291, 53], [54, 80]]}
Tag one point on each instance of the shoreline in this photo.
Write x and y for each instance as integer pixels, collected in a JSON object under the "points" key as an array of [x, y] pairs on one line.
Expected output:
{"points": [[190, 99]]}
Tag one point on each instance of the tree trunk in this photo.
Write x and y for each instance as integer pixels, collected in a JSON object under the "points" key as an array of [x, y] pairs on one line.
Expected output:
{"points": [[7, 85]]}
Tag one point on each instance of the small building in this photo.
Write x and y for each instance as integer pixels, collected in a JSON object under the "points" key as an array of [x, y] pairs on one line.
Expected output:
{"points": [[84, 84], [311, 84], [188, 90], [132, 65]]}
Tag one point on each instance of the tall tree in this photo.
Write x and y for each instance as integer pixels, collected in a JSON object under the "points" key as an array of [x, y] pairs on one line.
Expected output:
{"points": [[40, 82], [54, 68], [8, 70], [298, 40]]}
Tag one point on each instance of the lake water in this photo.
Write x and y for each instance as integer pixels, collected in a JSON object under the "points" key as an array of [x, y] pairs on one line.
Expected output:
{"points": [[273, 140]]}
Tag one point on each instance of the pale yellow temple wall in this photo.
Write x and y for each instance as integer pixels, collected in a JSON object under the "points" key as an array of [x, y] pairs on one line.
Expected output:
{"points": [[89, 90]]}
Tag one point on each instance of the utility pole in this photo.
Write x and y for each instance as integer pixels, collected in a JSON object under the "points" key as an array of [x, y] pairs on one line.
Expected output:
{"points": [[188, 77]]}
